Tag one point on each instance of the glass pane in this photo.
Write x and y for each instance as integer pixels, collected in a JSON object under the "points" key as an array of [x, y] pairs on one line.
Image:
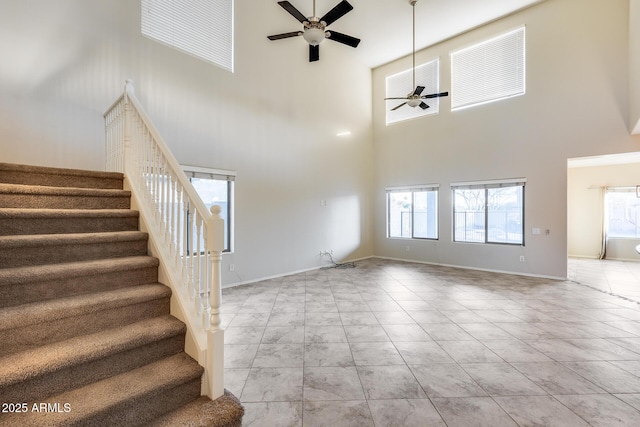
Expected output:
{"points": [[469, 215], [400, 214], [623, 214], [504, 215], [425, 214], [215, 192]]}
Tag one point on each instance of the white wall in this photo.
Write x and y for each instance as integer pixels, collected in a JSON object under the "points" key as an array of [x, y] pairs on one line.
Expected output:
{"points": [[634, 65], [586, 210], [274, 120], [576, 105]]}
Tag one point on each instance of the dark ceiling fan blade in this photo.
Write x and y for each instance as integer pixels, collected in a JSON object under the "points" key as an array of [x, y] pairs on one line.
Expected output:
{"points": [[397, 106], [293, 11], [402, 97], [435, 95], [285, 35], [337, 12], [314, 53], [418, 90], [343, 38], [423, 105]]}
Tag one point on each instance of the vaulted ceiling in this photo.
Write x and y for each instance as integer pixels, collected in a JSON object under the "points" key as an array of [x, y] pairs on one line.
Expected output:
{"points": [[384, 26]]}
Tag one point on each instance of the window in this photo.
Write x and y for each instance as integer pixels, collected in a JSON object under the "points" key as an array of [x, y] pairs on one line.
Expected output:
{"points": [[622, 210], [401, 84], [489, 212], [412, 212], [201, 28], [215, 187], [488, 71]]}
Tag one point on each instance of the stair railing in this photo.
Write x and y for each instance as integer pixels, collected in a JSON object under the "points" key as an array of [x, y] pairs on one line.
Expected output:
{"points": [[189, 239]]}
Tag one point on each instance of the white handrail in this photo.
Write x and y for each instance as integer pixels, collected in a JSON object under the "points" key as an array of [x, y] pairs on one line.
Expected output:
{"points": [[189, 239]]}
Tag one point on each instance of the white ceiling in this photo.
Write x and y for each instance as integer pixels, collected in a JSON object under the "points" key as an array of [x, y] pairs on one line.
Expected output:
{"points": [[384, 26]]}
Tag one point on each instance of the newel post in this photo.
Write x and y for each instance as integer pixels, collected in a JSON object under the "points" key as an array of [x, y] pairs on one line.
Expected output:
{"points": [[215, 335]]}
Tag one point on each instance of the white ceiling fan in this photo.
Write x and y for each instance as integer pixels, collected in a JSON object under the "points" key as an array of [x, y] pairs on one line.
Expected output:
{"points": [[415, 98]]}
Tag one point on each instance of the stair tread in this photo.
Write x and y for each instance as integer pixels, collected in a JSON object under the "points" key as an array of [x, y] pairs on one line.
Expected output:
{"points": [[41, 240], [117, 391], [203, 412], [62, 191], [14, 275], [47, 311], [82, 349], [67, 213], [14, 167]]}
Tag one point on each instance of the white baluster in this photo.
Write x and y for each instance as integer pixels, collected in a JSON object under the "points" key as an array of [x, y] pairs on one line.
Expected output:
{"points": [[191, 257], [198, 263], [185, 229]]}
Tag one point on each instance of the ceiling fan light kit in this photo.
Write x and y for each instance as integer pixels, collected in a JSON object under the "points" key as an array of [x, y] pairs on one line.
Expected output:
{"points": [[415, 98], [314, 28]]}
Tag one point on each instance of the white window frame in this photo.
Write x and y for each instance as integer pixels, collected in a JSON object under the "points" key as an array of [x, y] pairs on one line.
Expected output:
{"points": [[633, 193], [202, 28], [486, 186], [412, 189], [219, 175], [400, 84], [489, 71]]}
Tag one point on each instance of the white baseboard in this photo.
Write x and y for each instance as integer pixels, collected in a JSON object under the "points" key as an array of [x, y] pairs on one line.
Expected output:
{"points": [[246, 282], [462, 267]]}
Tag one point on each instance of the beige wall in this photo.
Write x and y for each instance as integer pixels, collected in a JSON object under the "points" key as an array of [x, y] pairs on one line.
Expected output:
{"points": [[634, 65], [585, 209], [576, 105], [274, 120]]}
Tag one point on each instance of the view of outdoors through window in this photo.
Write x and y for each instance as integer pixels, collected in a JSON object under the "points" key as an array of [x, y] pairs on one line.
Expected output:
{"points": [[623, 213], [215, 192], [489, 215], [413, 214]]}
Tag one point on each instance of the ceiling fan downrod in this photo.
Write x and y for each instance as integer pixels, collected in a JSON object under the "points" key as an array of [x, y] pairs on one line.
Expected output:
{"points": [[413, 8]]}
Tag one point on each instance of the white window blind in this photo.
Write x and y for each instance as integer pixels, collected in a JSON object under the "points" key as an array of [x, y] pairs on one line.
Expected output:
{"points": [[403, 188], [203, 28], [489, 71], [401, 84]]}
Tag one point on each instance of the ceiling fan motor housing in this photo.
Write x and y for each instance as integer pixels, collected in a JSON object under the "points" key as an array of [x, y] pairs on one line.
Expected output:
{"points": [[314, 32]]}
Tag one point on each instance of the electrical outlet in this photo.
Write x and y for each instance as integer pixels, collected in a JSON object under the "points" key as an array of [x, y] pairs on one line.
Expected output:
{"points": [[232, 267], [521, 258]]}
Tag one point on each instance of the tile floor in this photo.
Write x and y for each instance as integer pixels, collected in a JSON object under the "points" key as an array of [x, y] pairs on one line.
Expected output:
{"points": [[617, 277], [400, 344]]}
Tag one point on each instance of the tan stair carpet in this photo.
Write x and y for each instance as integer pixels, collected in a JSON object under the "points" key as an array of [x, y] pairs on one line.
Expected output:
{"points": [[88, 339]]}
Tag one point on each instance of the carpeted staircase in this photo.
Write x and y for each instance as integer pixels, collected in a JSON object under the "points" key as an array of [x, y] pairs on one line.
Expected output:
{"points": [[85, 331]]}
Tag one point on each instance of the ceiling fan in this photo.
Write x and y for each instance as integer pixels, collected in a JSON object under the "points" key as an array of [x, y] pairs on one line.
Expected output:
{"points": [[314, 31], [415, 98]]}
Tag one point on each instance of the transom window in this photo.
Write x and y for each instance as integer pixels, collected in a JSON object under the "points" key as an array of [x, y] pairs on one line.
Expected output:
{"points": [[202, 28], [489, 212], [488, 71], [401, 84], [412, 212]]}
